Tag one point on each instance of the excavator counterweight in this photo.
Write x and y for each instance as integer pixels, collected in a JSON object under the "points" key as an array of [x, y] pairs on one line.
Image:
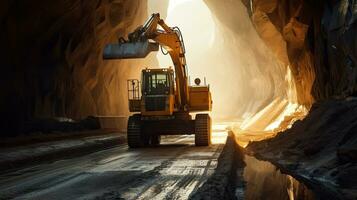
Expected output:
{"points": [[163, 100]]}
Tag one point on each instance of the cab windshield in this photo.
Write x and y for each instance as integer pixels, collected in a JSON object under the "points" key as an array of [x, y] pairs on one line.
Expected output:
{"points": [[156, 83]]}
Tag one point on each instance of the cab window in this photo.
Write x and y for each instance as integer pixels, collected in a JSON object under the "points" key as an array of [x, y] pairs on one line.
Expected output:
{"points": [[156, 83]]}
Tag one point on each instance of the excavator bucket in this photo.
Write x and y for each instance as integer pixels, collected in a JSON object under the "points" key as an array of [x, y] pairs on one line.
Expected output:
{"points": [[128, 50]]}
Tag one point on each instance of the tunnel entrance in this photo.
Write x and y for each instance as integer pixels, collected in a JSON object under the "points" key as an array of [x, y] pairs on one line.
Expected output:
{"points": [[249, 84]]}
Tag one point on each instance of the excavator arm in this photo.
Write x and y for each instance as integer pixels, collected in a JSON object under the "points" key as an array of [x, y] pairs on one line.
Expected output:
{"points": [[146, 39]]}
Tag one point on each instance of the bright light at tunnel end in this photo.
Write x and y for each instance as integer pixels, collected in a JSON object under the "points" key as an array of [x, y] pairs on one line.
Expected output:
{"points": [[206, 53], [198, 34]]}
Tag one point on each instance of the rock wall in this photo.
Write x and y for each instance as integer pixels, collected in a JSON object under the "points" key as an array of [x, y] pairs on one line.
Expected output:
{"points": [[258, 77], [316, 39], [51, 60]]}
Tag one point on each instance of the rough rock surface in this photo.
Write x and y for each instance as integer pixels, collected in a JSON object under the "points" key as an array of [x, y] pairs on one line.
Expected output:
{"points": [[316, 39], [51, 60], [321, 148], [259, 78]]}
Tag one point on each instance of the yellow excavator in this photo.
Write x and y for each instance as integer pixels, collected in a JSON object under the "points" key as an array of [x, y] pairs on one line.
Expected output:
{"points": [[163, 100]]}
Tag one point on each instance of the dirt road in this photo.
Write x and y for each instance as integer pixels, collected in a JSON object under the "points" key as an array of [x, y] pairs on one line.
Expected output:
{"points": [[173, 170]]}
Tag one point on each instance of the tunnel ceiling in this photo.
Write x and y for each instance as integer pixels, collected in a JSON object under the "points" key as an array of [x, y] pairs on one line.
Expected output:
{"points": [[52, 62]]}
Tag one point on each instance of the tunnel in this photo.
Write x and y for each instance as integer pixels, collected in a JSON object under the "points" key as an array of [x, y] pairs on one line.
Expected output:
{"points": [[282, 73], [263, 59], [63, 75]]}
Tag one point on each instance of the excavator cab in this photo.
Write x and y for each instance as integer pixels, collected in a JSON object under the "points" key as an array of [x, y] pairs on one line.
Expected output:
{"points": [[157, 92], [157, 82]]}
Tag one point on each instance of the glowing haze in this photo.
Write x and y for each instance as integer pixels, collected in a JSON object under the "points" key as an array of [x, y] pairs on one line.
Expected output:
{"points": [[198, 34], [243, 74]]}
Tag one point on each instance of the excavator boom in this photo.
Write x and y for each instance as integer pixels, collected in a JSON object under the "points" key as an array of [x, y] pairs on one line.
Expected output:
{"points": [[140, 45]]}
